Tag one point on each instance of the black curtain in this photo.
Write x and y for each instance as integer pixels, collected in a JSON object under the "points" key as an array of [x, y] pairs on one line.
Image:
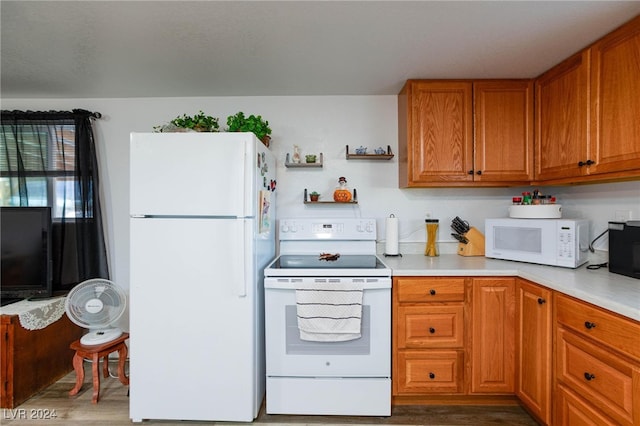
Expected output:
{"points": [[49, 158]]}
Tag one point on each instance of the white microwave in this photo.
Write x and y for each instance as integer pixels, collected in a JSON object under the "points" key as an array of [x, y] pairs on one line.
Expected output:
{"points": [[556, 242]]}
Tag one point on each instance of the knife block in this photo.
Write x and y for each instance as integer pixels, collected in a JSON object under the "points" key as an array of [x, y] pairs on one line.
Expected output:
{"points": [[475, 246]]}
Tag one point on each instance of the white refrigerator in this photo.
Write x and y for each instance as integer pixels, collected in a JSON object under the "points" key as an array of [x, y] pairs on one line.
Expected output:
{"points": [[201, 232]]}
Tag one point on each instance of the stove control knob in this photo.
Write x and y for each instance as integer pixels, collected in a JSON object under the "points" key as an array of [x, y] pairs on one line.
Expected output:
{"points": [[284, 228], [369, 227]]}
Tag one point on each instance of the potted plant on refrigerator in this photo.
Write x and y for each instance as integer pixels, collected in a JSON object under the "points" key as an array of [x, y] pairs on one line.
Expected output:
{"points": [[185, 123], [255, 124]]}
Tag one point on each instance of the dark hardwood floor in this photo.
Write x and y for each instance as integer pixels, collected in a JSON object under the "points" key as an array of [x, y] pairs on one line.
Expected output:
{"points": [[113, 410]]}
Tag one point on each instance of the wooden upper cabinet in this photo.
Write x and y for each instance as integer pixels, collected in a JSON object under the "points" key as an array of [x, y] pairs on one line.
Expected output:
{"points": [[435, 133], [503, 130], [561, 119], [615, 101], [465, 133], [587, 110]]}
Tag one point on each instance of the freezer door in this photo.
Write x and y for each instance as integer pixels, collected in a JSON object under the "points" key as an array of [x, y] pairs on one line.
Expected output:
{"points": [[193, 349], [193, 174]]}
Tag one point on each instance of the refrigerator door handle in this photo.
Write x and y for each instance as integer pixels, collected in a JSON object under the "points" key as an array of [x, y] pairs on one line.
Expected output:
{"points": [[247, 257]]}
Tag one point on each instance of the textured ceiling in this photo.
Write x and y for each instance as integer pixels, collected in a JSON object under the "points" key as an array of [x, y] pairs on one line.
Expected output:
{"points": [[115, 49]]}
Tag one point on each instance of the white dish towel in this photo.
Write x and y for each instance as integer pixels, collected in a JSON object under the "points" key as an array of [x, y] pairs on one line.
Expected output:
{"points": [[329, 311]]}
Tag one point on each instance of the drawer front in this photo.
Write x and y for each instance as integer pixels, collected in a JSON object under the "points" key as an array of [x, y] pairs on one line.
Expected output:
{"points": [[430, 289], [430, 372], [430, 326], [620, 333], [604, 379], [572, 410]]}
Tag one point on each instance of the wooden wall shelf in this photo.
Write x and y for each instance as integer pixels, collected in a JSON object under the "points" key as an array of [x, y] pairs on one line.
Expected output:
{"points": [[354, 200], [387, 156], [317, 164]]}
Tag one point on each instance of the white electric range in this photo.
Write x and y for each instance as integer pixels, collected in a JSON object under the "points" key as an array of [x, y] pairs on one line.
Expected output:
{"points": [[350, 377]]}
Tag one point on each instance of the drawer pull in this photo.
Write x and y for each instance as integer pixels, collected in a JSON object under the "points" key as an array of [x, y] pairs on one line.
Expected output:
{"points": [[589, 376], [432, 330], [589, 325], [432, 376], [541, 301], [432, 292]]}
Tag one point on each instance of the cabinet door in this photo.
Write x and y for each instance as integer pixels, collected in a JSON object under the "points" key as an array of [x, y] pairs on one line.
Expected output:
{"points": [[533, 378], [615, 101], [562, 118], [503, 126], [439, 139], [493, 336]]}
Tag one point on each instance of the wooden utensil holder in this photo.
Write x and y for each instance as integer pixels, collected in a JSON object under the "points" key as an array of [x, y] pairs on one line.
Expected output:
{"points": [[475, 244]]}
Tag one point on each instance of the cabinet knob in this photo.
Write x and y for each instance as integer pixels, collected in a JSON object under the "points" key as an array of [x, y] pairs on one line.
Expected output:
{"points": [[589, 325], [470, 172], [581, 163], [479, 172], [432, 330], [541, 301], [588, 376], [432, 376], [432, 292], [590, 162]]}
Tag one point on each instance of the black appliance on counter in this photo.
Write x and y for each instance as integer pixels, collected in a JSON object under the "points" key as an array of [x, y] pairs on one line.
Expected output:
{"points": [[624, 248]]}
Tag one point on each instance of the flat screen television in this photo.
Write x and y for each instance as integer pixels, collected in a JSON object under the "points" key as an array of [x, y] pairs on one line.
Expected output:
{"points": [[25, 244]]}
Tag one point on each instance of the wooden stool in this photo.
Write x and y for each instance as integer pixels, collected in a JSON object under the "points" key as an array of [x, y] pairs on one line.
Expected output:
{"points": [[94, 353]]}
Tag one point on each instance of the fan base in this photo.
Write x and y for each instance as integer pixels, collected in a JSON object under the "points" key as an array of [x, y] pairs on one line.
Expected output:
{"points": [[99, 337]]}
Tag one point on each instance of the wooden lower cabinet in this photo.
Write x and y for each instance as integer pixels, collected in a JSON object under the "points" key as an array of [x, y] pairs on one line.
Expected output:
{"points": [[597, 363], [428, 335], [493, 336], [533, 348], [432, 371], [497, 340], [454, 336], [573, 410]]}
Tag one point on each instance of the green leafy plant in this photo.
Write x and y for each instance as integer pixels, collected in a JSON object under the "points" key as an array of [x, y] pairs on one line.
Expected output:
{"points": [[311, 158], [199, 123], [255, 124], [314, 193]]}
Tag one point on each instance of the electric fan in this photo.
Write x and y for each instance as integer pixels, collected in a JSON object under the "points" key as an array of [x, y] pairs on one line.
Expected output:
{"points": [[96, 304]]}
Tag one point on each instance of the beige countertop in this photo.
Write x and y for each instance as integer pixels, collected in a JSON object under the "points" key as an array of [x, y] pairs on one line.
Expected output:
{"points": [[600, 287]]}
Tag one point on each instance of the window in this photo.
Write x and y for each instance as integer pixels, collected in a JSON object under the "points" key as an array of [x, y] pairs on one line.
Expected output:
{"points": [[45, 152]]}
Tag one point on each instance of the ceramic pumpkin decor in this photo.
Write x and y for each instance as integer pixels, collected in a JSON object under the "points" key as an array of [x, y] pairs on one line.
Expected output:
{"points": [[342, 193]]}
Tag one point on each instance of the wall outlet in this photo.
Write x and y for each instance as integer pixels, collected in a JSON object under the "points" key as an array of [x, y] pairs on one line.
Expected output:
{"points": [[623, 215]]}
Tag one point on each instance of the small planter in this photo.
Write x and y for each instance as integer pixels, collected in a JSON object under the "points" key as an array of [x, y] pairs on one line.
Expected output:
{"points": [[310, 158], [314, 196]]}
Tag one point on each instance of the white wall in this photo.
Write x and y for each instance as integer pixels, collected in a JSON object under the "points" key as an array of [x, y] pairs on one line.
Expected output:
{"points": [[318, 124]]}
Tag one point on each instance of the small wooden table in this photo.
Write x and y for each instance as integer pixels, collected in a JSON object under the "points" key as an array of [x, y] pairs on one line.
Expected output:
{"points": [[94, 353]]}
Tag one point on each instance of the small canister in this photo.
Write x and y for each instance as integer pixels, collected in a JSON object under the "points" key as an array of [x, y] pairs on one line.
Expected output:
{"points": [[432, 235]]}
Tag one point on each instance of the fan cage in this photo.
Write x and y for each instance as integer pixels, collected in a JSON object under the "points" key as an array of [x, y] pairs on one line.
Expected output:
{"points": [[111, 296]]}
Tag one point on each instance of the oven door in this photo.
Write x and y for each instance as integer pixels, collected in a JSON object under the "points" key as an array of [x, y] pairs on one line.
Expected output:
{"points": [[288, 355]]}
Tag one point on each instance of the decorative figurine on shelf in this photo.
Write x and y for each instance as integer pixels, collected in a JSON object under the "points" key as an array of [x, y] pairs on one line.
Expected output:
{"points": [[310, 158], [342, 194], [296, 154], [361, 150], [380, 151]]}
